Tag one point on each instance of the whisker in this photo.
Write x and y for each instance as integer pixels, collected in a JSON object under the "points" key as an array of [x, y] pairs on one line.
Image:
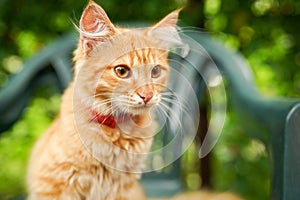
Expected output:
{"points": [[162, 111], [176, 103], [171, 94], [100, 104], [171, 114], [102, 94], [171, 97]]}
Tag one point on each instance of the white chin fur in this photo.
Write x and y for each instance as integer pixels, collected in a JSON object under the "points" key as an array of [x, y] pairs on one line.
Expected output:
{"points": [[139, 110]]}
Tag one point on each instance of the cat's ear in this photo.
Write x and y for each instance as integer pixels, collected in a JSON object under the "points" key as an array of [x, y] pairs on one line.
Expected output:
{"points": [[168, 21], [166, 31], [95, 27]]}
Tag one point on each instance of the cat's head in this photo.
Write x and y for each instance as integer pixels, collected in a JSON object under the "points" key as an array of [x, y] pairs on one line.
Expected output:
{"points": [[122, 70]]}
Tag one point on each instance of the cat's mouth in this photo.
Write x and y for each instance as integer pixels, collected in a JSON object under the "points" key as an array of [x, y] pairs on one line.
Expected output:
{"points": [[141, 109], [135, 105]]}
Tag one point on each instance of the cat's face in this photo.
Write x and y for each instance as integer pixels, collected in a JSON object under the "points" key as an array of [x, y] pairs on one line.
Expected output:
{"points": [[124, 70], [134, 81]]}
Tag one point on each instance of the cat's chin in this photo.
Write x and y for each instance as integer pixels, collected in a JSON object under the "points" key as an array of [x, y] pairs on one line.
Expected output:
{"points": [[140, 110]]}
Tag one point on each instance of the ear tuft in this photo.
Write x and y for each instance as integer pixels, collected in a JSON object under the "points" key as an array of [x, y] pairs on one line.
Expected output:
{"points": [[165, 31], [168, 21], [95, 26]]}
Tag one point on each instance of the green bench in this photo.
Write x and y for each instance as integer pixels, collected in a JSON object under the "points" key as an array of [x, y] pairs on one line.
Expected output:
{"points": [[276, 122]]}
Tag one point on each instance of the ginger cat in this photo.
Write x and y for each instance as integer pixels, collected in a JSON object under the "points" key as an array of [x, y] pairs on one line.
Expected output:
{"points": [[105, 128]]}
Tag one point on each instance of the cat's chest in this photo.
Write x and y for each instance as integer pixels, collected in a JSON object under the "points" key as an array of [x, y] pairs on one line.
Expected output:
{"points": [[104, 183], [118, 149]]}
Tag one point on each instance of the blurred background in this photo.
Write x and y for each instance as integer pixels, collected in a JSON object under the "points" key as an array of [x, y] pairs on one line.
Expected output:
{"points": [[266, 32]]}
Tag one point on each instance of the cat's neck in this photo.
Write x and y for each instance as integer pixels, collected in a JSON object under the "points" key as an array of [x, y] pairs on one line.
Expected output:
{"points": [[110, 120], [75, 106], [103, 141]]}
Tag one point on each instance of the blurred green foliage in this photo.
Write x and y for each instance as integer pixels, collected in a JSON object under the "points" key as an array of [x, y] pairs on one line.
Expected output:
{"points": [[265, 31], [16, 143]]}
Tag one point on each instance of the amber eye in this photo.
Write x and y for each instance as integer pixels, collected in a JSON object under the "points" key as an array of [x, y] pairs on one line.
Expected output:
{"points": [[156, 71], [122, 71]]}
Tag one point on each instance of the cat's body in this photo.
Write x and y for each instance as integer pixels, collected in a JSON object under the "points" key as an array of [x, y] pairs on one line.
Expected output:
{"points": [[83, 155], [96, 148], [62, 168]]}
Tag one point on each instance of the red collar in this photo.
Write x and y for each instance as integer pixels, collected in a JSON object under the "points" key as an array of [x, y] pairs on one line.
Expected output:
{"points": [[109, 120]]}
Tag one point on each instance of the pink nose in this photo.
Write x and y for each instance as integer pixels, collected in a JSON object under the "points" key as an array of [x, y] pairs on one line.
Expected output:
{"points": [[146, 96]]}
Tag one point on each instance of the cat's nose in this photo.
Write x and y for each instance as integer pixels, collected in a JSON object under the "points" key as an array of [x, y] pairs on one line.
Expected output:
{"points": [[146, 96]]}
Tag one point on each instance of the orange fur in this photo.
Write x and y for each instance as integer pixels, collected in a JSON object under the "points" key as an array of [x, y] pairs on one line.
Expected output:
{"points": [[78, 158]]}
